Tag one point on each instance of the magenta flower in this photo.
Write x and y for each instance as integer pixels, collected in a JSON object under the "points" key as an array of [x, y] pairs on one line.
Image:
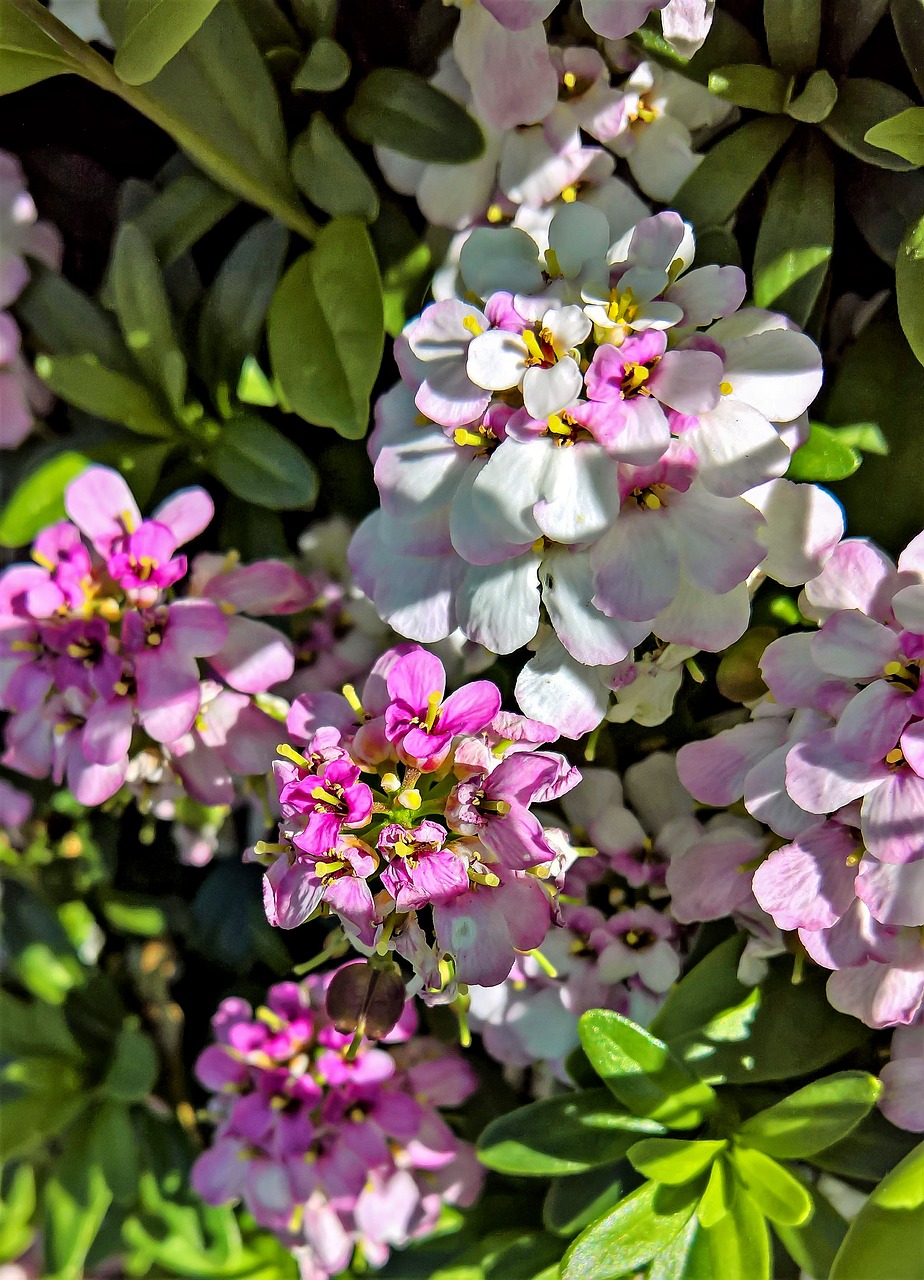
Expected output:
{"points": [[420, 870], [419, 722], [330, 799]]}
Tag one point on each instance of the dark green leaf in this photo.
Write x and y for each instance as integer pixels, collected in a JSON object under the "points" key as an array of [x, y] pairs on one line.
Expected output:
{"points": [[813, 1117], [155, 31], [781, 1196], [330, 176], [134, 1068], [254, 460], [847, 25], [36, 946], [143, 310], [17, 1213], [909, 287], [114, 1148], [30, 1029], [903, 134], [728, 41], [861, 104], [674, 1160], [67, 323], [326, 329], [713, 192], [814, 1244], [404, 286], [399, 110], [83, 382], [573, 1202], [39, 499], [635, 1232], [235, 306], [326, 68], [816, 101], [823, 458], [884, 209], [640, 1072], [749, 85], [884, 1240], [868, 1152], [561, 1135], [908, 17], [180, 215], [27, 54], [38, 1098], [793, 30], [796, 234], [76, 1198]]}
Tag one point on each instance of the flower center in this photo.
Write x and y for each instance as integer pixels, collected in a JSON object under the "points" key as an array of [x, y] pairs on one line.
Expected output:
{"points": [[540, 347], [651, 498], [622, 307]]}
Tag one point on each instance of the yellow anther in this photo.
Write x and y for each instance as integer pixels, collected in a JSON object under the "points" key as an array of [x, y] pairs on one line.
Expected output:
{"points": [[352, 698], [325, 797], [635, 376], [487, 878], [645, 114], [289, 753], [502, 746], [532, 346], [726, 388], [854, 859], [404, 850], [895, 756], [653, 502], [570, 194], [328, 868], [494, 213], [128, 521], [409, 798], [433, 709], [227, 607], [558, 426], [472, 325], [109, 610], [44, 561], [121, 688], [463, 436], [24, 646], [569, 80]]}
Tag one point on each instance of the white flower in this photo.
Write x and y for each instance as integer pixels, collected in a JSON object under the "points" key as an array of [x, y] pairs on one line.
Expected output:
{"points": [[540, 360]]}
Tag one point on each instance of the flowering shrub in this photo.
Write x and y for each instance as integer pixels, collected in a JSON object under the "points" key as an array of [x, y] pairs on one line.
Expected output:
{"points": [[536, 790]]}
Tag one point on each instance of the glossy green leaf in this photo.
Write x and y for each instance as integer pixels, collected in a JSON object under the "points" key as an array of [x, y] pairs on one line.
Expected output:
{"points": [[134, 1068], [793, 30], [861, 104], [17, 1213], [814, 1243], [399, 110], [330, 175], [846, 26], [144, 314], [326, 329], [258, 463], [909, 287], [83, 382], [729, 170], [174, 219], [816, 101], [561, 1135], [635, 1232], [155, 31], [578, 1199], [717, 1196], [706, 991], [814, 1117], [737, 1245], [68, 323], [868, 1152], [750, 85], [781, 1196], [639, 1070], [824, 457], [674, 1160], [27, 54], [38, 501], [234, 308], [673, 1261], [908, 17], [796, 234], [902, 134], [884, 1240], [326, 68]]}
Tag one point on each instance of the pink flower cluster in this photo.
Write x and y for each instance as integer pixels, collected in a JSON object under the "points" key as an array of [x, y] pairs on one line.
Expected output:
{"points": [[94, 646], [332, 1149], [22, 396], [409, 802], [835, 765]]}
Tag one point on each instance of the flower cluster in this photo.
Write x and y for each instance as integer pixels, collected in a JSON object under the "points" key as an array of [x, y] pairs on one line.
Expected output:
{"points": [[600, 444], [98, 658], [408, 802], [23, 397], [834, 764], [334, 1150]]}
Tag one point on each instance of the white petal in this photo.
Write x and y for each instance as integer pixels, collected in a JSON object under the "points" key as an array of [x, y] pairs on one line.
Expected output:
{"points": [[498, 604], [778, 372], [589, 636], [504, 494], [804, 525], [710, 622], [662, 158], [908, 605], [568, 326], [477, 539], [555, 689], [579, 495], [497, 361], [548, 391], [737, 448]]}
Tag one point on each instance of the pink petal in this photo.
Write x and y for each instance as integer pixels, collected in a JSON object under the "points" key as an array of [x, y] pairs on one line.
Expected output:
{"points": [[872, 721], [853, 645], [820, 779], [101, 504], [809, 884], [415, 677], [255, 656], [186, 513], [892, 817], [714, 771], [470, 708]]}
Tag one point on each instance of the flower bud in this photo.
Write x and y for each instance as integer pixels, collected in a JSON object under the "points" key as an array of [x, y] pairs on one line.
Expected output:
{"points": [[366, 999]]}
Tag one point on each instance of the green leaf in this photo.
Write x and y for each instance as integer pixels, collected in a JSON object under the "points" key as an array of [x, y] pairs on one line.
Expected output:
{"points": [[399, 110], [133, 1070], [180, 215], [574, 1201], [847, 25], [326, 68], [737, 1244], [38, 501], [729, 170], [813, 1117], [133, 913], [143, 310], [83, 382], [635, 1232], [793, 30], [256, 462], [813, 1244], [113, 1147], [907, 16], [707, 990], [781, 1196], [17, 1213], [562, 1135], [824, 457], [235, 305], [717, 1197], [902, 134], [155, 31], [68, 323], [796, 234], [749, 85], [639, 1070], [909, 287], [861, 104], [326, 329], [729, 41], [330, 175], [816, 101], [674, 1160], [27, 54], [32, 1029], [884, 1239], [403, 287], [38, 1098], [672, 1263], [76, 1198], [868, 1152]]}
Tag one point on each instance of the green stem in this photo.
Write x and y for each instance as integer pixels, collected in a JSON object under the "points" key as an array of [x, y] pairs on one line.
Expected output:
{"points": [[92, 66]]}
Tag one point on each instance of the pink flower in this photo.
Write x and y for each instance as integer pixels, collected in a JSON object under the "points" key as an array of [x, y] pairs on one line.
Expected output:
{"points": [[419, 722], [420, 870]]}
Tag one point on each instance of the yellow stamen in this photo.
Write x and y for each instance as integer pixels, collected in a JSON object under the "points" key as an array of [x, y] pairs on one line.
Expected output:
{"points": [[726, 388], [569, 80], [635, 376], [495, 213], [532, 346], [545, 965], [328, 868], [409, 799], [463, 436], [289, 753], [227, 607], [44, 561], [352, 698], [552, 264], [433, 710], [472, 325], [390, 783], [326, 797], [128, 521], [653, 502], [895, 756], [487, 878], [570, 194], [558, 426]]}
